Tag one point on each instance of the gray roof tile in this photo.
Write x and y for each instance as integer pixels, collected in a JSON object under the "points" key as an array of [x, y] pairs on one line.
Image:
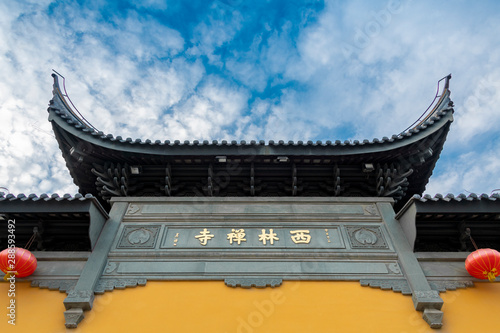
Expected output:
{"points": [[460, 197], [45, 197]]}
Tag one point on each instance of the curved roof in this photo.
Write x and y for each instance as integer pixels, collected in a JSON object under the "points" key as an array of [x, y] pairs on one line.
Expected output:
{"points": [[440, 223], [397, 166], [53, 222]]}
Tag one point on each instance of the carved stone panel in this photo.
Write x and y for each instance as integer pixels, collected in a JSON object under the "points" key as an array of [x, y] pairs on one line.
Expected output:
{"points": [[139, 237], [79, 294], [61, 285], [73, 316], [253, 282], [134, 209], [366, 237], [238, 207], [111, 267], [110, 284], [426, 299], [401, 285], [397, 285], [444, 285], [79, 299], [370, 210], [155, 269]]}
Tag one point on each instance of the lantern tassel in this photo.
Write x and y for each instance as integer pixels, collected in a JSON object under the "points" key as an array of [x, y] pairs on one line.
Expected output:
{"points": [[492, 275]]}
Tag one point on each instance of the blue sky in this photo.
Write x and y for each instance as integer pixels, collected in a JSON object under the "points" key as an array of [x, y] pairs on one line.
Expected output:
{"points": [[240, 70]]}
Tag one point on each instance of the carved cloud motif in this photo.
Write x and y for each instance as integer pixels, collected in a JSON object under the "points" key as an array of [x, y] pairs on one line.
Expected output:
{"points": [[139, 236], [365, 236]]}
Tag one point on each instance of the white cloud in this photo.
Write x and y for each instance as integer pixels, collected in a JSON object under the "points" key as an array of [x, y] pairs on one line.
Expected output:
{"points": [[479, 113], [151, 4], [75, 43], [476, 172], [206, 114], [132, 75], [219, 28]]}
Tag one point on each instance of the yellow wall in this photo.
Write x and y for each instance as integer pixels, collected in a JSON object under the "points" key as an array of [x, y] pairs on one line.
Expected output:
{"points": [[213, 307]]}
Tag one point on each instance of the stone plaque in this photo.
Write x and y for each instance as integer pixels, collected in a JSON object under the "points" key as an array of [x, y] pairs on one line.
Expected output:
{"points": [[241, 237]]}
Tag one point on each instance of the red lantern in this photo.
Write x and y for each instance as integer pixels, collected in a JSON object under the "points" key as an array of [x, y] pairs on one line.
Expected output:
{"points": [[18, 262], [483, 264]]}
